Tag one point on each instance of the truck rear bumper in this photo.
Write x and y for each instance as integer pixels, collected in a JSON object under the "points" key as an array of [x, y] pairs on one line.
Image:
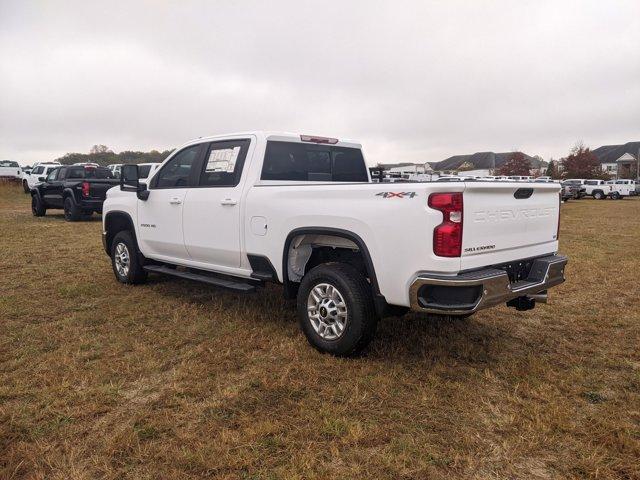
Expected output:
{"points": [[472, 291]]}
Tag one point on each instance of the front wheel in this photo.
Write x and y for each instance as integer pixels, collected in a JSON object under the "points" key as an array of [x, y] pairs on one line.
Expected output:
{"points": [[125, 260], [598, 195], [615, 196], [25, 187], [335, 309]]}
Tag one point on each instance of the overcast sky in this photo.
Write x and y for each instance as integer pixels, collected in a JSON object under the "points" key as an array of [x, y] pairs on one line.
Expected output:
{"points": [[414, 81]]}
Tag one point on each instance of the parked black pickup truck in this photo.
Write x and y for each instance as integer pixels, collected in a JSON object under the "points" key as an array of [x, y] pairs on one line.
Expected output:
{"points": [[78, 189]]}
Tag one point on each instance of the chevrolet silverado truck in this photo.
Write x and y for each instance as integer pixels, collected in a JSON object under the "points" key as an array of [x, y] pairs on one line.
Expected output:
{"points": [[239, 210], [78, 190]]}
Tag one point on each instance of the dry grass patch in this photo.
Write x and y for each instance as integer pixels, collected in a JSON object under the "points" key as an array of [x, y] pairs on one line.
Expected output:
{"points": [[174, 379]]}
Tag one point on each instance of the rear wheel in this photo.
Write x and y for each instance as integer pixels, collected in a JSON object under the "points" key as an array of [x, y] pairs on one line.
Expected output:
{"points": [[125, 259], [37, 208], [71, 211], [598, 195], [615, 196], [335, 309]]}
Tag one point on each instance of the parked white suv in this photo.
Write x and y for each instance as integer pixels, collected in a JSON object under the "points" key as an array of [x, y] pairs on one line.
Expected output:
{"points": [[239, 210], [38, 173]]}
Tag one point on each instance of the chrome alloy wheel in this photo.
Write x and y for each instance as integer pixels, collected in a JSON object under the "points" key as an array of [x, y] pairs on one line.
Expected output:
{"points": [[327, 311], [122, 259]]}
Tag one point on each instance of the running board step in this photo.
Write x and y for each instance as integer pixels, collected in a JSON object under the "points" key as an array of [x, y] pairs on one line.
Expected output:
{"points": [[238, 286]]}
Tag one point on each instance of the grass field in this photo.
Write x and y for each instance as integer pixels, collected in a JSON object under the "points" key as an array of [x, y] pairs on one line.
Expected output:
{"points": [[174, 379]]}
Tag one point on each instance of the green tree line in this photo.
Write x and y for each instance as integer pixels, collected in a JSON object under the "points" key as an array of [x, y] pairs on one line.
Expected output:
{"points": [[102, 155]]}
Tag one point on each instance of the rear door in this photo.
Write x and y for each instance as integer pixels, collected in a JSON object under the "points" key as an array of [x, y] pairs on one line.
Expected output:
{"points": [[160, 216], [508, 221], [212, 209]]}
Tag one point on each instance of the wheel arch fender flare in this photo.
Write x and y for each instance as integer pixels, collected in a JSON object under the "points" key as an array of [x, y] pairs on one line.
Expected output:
{"points": [[337, 232], [117, 217], [68, 192]]}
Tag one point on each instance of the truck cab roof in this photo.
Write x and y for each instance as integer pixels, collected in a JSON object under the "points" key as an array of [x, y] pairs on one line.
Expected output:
{"points": [[280, 137]]}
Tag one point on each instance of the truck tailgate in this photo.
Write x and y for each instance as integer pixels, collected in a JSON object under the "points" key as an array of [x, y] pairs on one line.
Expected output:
{"points": [[98, 187], [508, 221]]}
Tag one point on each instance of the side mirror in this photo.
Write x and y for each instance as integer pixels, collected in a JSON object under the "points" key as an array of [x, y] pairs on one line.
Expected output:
{"points": [[130, 181]]}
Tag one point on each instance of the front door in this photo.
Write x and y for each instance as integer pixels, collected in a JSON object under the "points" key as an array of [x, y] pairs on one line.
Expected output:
{"points": [[52, 188], [160, 216], [211, 216]]}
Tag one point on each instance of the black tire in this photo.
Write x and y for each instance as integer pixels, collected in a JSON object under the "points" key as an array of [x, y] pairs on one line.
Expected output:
{"points": [[598, 195], [134, 274], [25, 187], [37, 208], [71, 211], [615, 196], [361, 319]]}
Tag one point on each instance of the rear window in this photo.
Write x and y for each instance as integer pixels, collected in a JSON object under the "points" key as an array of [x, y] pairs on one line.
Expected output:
{"points": [[89, 172], [313, 163], [8, 163]]}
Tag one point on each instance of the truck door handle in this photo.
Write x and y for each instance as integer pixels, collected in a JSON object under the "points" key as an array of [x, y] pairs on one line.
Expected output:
{"points": [[228, 201], [175, 201]]}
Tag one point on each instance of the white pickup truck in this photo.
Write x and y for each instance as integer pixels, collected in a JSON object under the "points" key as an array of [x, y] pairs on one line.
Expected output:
{"points": [[239, 210], [624, 188], [598, 189], [10, 170]]}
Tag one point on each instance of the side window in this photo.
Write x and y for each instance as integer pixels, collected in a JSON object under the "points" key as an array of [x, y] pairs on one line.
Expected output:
{"points": [[37, 170], [313, 163], [348, 165], [53, 175], [76, 172], [62, 173], [223, 163], [175, 174]]}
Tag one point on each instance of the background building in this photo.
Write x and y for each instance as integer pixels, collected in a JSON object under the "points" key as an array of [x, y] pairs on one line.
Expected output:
{"points": [[619, 161]]}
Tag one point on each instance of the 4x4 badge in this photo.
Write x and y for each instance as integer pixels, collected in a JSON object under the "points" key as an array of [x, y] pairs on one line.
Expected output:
{"points": [[396, 194]]}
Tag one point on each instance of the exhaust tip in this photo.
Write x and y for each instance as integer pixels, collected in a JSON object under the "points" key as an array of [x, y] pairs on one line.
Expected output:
{"points": [[539, 297]]}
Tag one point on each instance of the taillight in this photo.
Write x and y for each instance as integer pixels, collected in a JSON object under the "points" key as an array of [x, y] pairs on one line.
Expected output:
{"points": [[85, 189], [447, 237]]}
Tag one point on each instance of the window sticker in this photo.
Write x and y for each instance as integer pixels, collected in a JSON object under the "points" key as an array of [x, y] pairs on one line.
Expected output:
{"points": [[223, 160]]}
